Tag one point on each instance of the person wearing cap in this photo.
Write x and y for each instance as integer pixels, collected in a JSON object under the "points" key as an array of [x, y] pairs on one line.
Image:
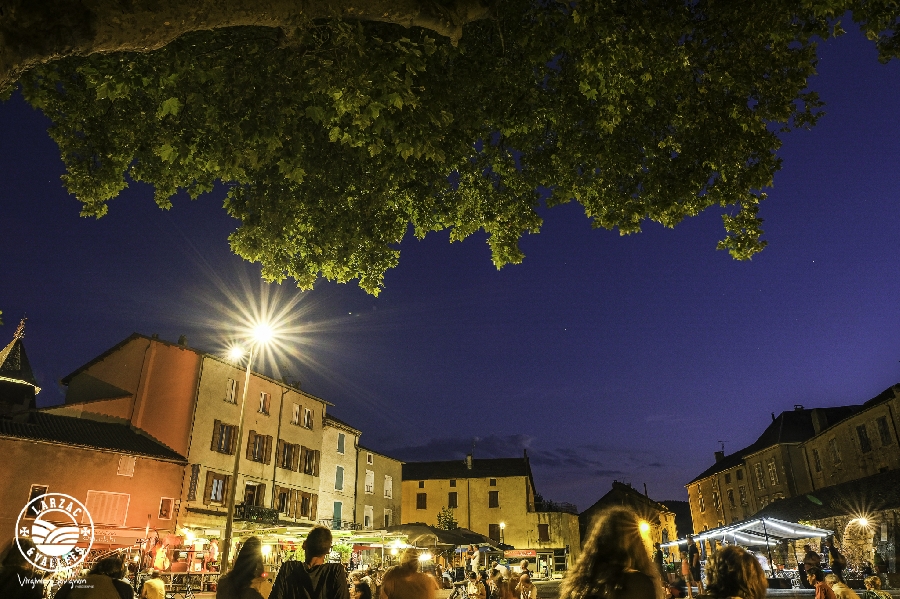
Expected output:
{"points": [[406, 582], [153, 587]]}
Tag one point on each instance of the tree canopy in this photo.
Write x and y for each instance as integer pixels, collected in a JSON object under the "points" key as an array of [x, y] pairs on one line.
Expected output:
{"points": [[337, 136]]}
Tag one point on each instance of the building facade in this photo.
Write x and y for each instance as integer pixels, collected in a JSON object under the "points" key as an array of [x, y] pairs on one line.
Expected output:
{"points": [[191, 402], [801, 452], [492, 497], [378, 490], [337, 483]]}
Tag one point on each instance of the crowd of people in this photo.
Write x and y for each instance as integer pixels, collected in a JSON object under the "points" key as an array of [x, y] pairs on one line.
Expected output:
{"points": [[614, 564]]}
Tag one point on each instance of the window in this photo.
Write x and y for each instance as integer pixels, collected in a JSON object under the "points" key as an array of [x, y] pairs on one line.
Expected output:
{"points": [[421, 484], [283, 498], [388, 518], [339, 478], [452, 500], [493, 482], [740, 474], [287, 456], [307, 418], [340, 443], [369, 459], [700, 499], [452, 482], [309, 458], [884, 431], [772, 469], [493, 499], [36, 491], [231, 391], [817, 461], [368, 517], [195, 479], [370, 482], [108, 508], [421, 501], [727, 477], [494, 532], [863, 435], [165, 508], [264, 399], [388, 486], [216, 488], [259, 448], [126, 465], [730, 495], [742, 491], [304, 505], [223, 437], [716, 505], [760, 478], [295, 414], [543, 533], [835, 452]]}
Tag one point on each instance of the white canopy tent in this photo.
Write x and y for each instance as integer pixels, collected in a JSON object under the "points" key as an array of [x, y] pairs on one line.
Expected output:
{"points": [[761, 532]]}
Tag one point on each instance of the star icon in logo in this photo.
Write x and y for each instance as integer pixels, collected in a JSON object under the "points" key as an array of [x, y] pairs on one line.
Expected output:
{"points": [[24, 531], [85, 531]]}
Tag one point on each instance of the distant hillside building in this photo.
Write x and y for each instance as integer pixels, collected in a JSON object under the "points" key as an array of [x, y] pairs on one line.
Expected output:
{"points": [[660, 518]]}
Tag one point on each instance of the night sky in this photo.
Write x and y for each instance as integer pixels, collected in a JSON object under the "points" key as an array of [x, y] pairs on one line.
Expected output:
{"points": [[607, 357]]}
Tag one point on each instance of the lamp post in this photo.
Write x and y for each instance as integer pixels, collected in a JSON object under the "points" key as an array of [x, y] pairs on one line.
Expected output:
{"points": [[261, 335]]}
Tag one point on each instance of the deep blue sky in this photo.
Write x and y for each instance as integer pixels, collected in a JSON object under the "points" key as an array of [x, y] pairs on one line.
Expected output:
{"points": [[606, 356]]}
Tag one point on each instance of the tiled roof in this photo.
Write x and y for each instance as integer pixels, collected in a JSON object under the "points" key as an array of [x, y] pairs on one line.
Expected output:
{"points": [[40, 426], [483, 468], [865, 495], [793, 426], [341, 423]]}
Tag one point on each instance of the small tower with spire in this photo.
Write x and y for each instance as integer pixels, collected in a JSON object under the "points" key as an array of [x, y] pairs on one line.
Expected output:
{"points": [[18, 387]]}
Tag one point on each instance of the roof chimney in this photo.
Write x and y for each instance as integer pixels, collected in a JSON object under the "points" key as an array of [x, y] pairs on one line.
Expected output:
{"points": [[798, 407], [182, 341], [773, 416], [720, 455], [819, 420], [469, 461]]}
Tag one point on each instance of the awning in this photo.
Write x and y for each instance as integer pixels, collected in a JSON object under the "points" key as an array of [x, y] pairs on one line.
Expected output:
{"points": [[757, 533]]}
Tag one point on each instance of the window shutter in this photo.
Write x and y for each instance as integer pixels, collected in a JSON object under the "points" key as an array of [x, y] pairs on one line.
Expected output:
{"points": [[261, 494], [279, 454], [207, 491], [303, 452], [268, 449], [313, 506], [250, 439], [226, 490], [232, 440], [215, 436], [295, 458], [316, 453]]}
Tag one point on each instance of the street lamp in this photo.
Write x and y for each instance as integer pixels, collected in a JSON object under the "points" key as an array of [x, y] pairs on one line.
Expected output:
{"points": [[502, 528], [261, 335]]}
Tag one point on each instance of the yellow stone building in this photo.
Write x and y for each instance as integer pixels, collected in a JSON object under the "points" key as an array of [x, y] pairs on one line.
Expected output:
{"points": [[496, 498]]}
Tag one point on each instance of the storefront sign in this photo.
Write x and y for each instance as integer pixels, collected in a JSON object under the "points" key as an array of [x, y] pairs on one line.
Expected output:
{"points": [[520, 553], [51, 522]]}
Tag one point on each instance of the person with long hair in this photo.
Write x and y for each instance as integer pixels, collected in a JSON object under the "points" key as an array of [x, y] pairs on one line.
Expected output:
{"points": [[614, 562], [733, 572], [249, 565], [14, 569]]}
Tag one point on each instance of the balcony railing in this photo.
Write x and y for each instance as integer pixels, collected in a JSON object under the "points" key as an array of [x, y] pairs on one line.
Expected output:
{"points": [[334, 524], [255, 513], [552, 506]]}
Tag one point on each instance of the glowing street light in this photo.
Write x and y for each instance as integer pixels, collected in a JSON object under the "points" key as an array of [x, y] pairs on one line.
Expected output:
{"points": [[502, 528], [261, 335], [644, 526]]}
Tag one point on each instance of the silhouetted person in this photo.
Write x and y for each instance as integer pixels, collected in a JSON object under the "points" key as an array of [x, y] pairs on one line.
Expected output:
{"points": [[102, 582], [312, 578], [16, 568], [733, 572], [238, 583]]}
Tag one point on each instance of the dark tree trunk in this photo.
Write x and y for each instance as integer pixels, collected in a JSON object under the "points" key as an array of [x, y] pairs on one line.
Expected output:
{"points": [[33, 32]]}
